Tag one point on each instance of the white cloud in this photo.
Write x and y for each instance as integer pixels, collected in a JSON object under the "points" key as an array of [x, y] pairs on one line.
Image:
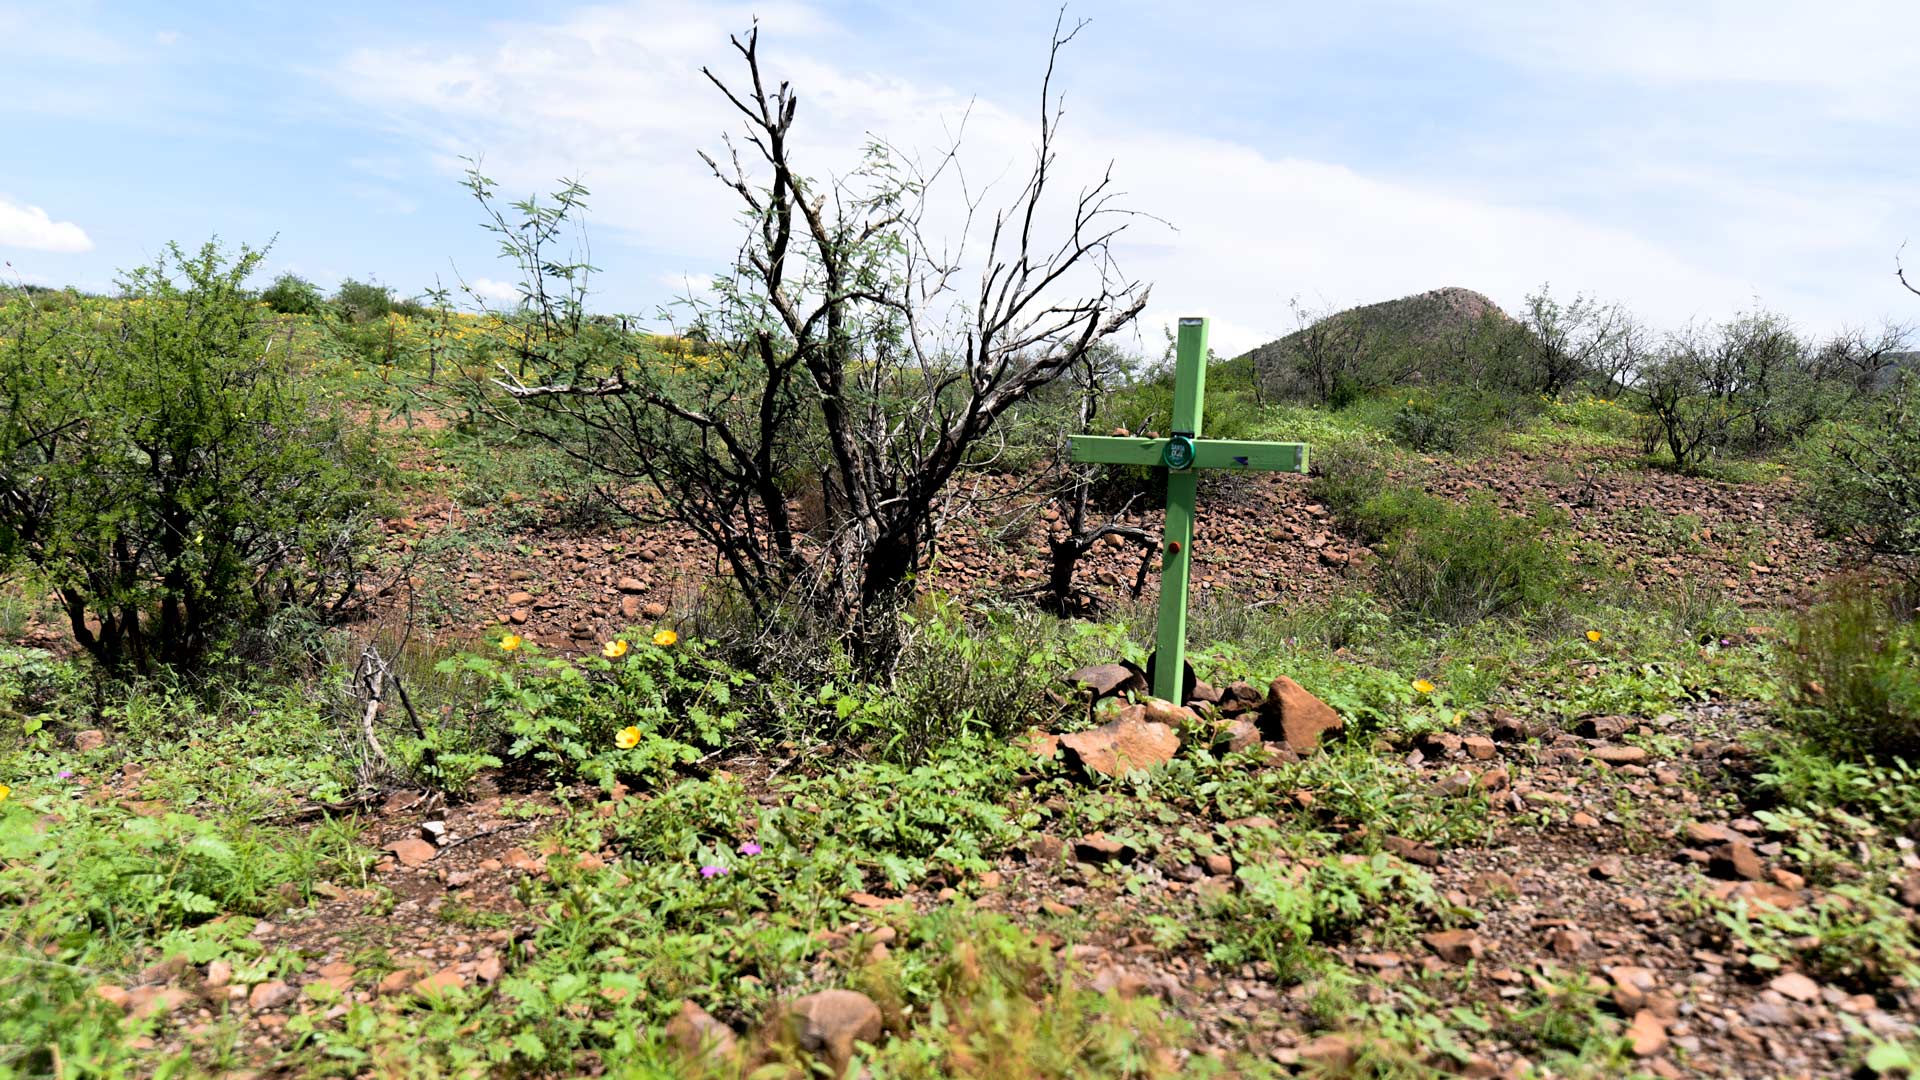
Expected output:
{"points": [[30, 227], [494, 292], [614, 95]]}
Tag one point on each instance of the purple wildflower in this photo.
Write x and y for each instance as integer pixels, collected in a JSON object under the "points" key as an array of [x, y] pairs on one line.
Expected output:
{"points": [[66, 774], [749, 848], [712, 871]]}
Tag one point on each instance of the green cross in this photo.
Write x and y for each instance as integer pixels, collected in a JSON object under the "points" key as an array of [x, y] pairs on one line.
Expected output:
{"points": [[1183, 453]]}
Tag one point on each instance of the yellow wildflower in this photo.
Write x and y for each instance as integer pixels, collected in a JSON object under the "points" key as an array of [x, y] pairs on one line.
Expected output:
{"points": [[615, 649], [5, 792], [1423, 686], [628, 738], [510, 643], [665, 638], [1593, 635]]}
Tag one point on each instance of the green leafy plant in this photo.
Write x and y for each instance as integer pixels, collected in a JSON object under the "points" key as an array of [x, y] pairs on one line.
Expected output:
{"points": [[169, 475]]}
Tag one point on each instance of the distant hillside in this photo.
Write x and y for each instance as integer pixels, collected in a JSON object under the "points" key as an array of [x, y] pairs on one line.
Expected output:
{"points": [[1899, 364], [1406, 325]]}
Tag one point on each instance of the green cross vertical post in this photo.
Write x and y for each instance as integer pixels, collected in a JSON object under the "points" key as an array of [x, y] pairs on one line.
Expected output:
{"points": [[1183, 453]]}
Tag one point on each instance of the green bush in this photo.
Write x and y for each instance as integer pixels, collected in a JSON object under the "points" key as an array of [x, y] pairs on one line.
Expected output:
{"points": [[291, 294], [1463, 564], [1852, 667], [1455, 421], [636, 712], [169, 474], [1867, 488]]}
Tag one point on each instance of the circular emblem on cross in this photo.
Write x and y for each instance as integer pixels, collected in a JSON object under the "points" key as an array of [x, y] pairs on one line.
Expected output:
{"points": [[1178, 454]]}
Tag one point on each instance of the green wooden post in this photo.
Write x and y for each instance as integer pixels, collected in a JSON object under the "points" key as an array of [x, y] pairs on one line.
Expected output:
{"points": [[1176, 544], [1184, 452]]}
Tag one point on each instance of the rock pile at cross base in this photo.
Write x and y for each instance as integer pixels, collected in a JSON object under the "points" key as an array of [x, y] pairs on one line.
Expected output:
{"points": [[1142, 734]]}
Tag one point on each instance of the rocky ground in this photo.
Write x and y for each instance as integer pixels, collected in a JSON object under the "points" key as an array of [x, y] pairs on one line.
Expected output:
{"points": [[1615, 860]]}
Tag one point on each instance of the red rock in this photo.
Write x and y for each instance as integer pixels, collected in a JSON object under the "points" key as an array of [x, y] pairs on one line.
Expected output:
{"points": [[630, 585], [654, 610], [1647, 1035], [412, 851], [1703, 834], [270, 995], [1099, 848], [1479, 747], [1413, 851], [440, 982], [829, 1023], [1737, 860], [1796, 986], [1106, 680], [89, 740], [1236, 735], [1455, 946], [1292, 716], [695, 1033], [1619, 755], [1122, 746]]}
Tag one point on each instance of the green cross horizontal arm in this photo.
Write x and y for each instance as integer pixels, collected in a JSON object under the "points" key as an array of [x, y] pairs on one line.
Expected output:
{"points": [[1183, 452]]}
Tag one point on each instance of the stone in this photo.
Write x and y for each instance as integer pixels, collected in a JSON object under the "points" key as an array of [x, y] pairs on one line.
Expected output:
{"points": [[1603, 727], [447, 978], [1701, 834], [149, 1001], [828, 1023], [1122, 746], [1735, 860], [1568, 942], [398, 979], [433, 832], [1332, 1054], [89, 740], [219, 974], [1099, 849], [695, 1033], [1509, 728], [112, 995], [1493, 883], [1606, 868], [1647, 1035], [270, 995], [1292, 716], [1238, 697], [1106, 680], [1236, 735], [520, 599], [1479, 747], [630, 585], [412, 851], [1412, 851], [1796, 986], [488, 969], [1619, 755], [1219, 865], [1204, 693], [632, 607], [1455, 946], [1156, 711], [654, 610]]}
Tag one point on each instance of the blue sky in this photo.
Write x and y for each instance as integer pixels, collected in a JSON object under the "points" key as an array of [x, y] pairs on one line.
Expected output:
{"points": [[1686, 160]]}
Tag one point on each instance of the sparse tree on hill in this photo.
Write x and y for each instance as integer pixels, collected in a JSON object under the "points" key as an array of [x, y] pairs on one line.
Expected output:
{"points": [[1571, 341]]}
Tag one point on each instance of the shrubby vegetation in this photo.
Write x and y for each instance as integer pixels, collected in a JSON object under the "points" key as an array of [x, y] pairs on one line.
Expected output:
{"points": [[165, 469]]}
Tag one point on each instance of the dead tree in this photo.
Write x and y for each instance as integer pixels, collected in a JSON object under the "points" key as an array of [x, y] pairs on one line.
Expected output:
{"points": [[846, 352], [1077, 529]]}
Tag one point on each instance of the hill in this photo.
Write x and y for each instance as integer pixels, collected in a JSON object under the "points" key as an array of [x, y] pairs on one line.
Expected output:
{"points": [[1413, 326]]}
